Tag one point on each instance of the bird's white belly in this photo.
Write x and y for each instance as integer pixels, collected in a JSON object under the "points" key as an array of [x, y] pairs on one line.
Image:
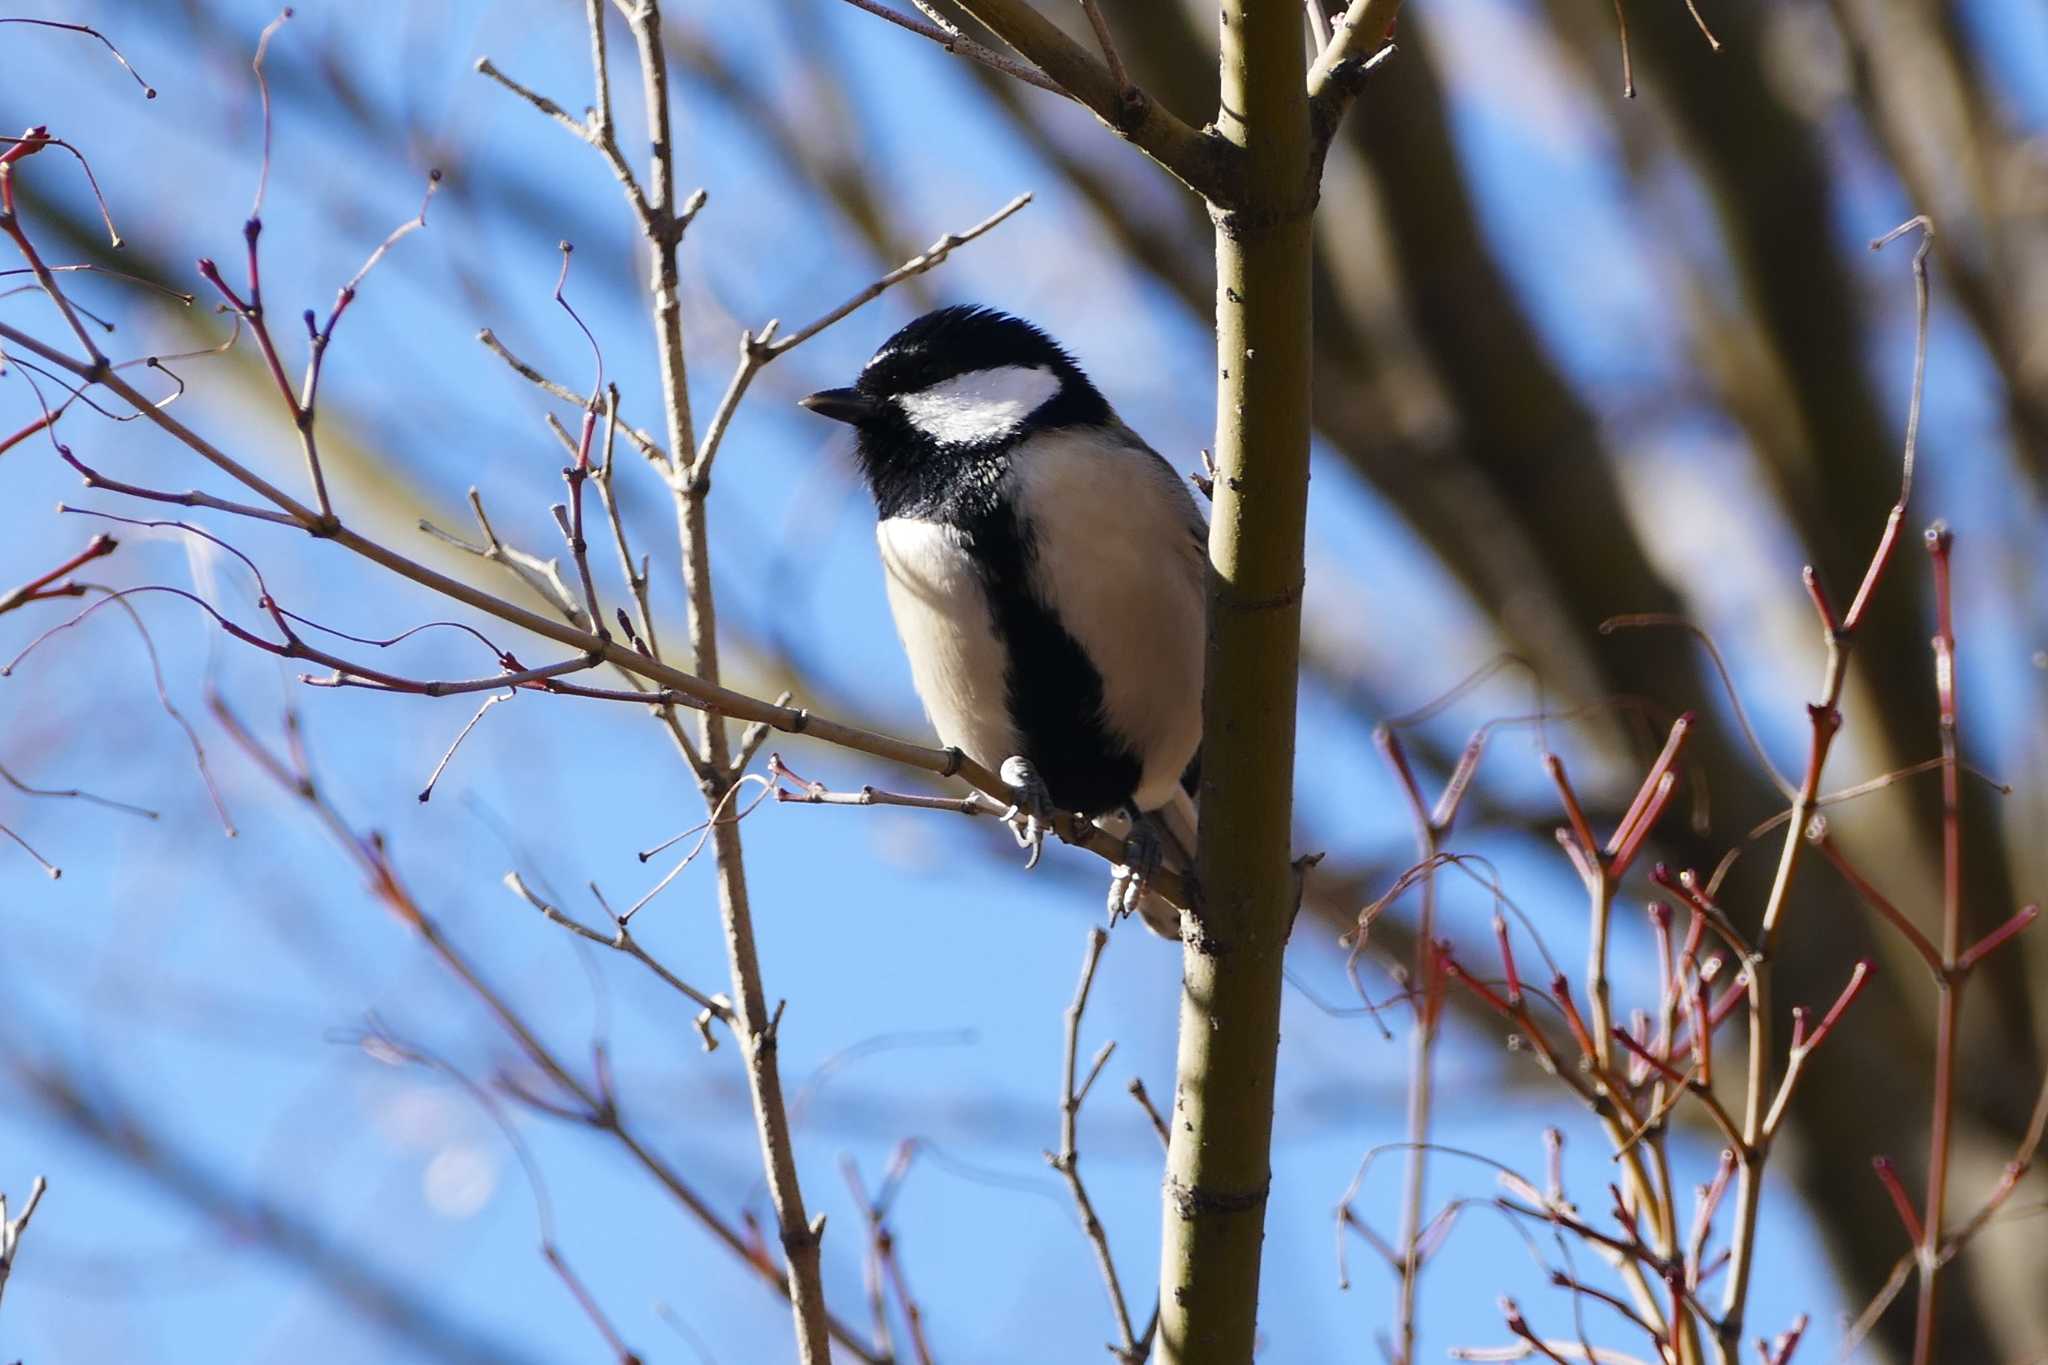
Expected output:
{"points": [[956, 659]]}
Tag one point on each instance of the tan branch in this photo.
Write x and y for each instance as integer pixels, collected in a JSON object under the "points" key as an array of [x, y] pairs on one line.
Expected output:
{"points": [[1201, 160]]}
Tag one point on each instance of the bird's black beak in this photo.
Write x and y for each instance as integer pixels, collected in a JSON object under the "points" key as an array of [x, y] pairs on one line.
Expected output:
{"points": [[841, 405]]}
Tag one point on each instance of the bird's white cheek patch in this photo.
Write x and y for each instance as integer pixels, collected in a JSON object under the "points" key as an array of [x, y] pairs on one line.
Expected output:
{"points": [[980, 406]]}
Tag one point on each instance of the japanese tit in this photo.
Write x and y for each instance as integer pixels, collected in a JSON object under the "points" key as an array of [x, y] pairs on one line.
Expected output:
{"points": [[1045, 569]]}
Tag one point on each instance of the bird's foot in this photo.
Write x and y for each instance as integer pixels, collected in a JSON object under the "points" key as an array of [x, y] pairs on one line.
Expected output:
{"points": [[1031, 816], [1130, 879]]}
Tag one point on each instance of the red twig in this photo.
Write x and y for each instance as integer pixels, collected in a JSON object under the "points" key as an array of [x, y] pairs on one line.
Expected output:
{"points": [[1996, 939], [1479, 988], [1901, 1201], [1857, 977], [1622, 1036], [1562, 990], [1877, 901], [1520, 1327], [1648, 802], [38, 588], [1507, 958], [1581, 828], [1949, 981]]}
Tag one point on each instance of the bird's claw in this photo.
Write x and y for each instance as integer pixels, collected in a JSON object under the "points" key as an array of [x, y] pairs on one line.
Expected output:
{"points": [[1031, 816], [1131, 879]]}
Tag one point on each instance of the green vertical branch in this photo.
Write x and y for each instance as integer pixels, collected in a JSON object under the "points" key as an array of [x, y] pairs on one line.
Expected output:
{"points": [[1218, 1169]]}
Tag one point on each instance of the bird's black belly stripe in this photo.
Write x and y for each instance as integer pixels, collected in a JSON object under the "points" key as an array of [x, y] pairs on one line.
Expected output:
{"points": [[1055, 694]]}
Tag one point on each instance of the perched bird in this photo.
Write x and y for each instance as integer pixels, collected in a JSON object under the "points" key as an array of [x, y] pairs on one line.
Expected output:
{"points": [[1045, 569]]}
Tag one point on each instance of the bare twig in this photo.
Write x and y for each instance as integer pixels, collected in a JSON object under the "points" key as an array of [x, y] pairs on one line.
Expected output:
{"points": [[1110, 57], [584, 1102], [148, 90], [1067, 1160], [884, 1269], [427, 792], [809, 793], [643, 441], [1207, 164], [50, 869], [596, 130], [622, 940], [543, 576], [1628, 68], [163, 696], [754, 1026], [10, 222], [756, 350], [41, 586], [950, 38], [1430, 829], [1949, 980], [73, 794], [11, 1229], [1144, 1099], [1826, 720]]}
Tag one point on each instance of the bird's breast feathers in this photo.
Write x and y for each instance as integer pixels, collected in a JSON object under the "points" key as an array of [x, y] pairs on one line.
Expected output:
{"points": [[1114, 553], [942, 612]]}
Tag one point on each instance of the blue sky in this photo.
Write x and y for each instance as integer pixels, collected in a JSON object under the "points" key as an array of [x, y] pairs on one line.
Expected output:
{"points": [[214, 985]]}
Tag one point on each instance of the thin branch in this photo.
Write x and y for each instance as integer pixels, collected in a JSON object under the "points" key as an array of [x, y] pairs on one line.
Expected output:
{"points": [[1628, 66], [757, 350], [50, 869], [543, 576], [1138, 1093], [1165, 883], [1749, 735], [11, 1229], [427, 792], [587, 1104], [809, 793], [931, 256], [1358, 42], [596, 130], [621, 940], [163, 696], [1208, 164], [148, 90], [951, 39], [39, 587], [1110, 56], [10, 223], [646, 443], [754, 1025], [1888, 539], [1067, 1160], [73, 794]]}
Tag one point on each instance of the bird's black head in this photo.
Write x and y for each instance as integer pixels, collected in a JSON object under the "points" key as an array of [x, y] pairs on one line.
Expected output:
{"points": [[952, 390]]}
